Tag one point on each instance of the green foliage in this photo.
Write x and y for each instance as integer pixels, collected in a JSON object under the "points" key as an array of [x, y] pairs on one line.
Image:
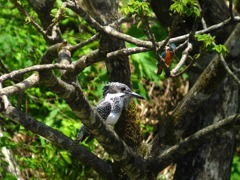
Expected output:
{"points": [[137, 8], [221, 49], [235, 174], [20, 44], [185, 7], [210, 45], [146, 129], [206, 38]]}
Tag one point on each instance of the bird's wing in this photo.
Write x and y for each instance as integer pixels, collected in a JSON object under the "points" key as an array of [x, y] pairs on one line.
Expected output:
{"points": [[104, 109], [163, 54]]}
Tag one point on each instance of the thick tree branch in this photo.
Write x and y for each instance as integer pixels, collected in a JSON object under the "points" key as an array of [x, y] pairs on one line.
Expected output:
{"points": [[94, 57], [55, 84], [75, 98], [59, 139], [175, 152]]}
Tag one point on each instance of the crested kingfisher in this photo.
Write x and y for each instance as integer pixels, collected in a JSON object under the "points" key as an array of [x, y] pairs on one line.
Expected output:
{"points": [[167, 55], [116, 96]]}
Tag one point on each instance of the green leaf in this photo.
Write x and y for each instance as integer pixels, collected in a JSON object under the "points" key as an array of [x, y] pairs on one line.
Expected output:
{"points": [[221, 49], [206, 38], [137, 8], [185, 7], [66, 157]]}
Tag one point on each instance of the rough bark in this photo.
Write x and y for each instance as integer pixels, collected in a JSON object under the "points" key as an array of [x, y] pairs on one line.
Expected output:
{"points": [[217, 155], [212, 160]]}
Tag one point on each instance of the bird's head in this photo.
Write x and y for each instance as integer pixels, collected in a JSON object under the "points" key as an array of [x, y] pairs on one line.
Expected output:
{"points": [[170, 47], [120, 89]]}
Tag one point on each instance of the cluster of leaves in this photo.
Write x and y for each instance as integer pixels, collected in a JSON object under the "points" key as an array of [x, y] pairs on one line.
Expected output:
{"points": [[185, 7], [210, 45], [137, 8], [235, 167], [18, 39]]}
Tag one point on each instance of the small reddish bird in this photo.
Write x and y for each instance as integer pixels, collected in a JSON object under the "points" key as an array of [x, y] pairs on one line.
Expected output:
{"points": [[167, 55]]}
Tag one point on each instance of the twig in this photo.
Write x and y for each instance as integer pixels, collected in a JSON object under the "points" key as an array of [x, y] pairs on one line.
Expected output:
{"points": [[3, 67], [186, 51], [207, 30], [34, 68], [228, 69], [24, 12], [80, 11], [182, 60], [183, 71], [57, 18], [20, 87], [152, 38], [94, 57], [84, 43], [235, 69]]}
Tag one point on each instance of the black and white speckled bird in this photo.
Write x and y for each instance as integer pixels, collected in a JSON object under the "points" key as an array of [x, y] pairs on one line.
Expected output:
{"points": [[116, 96]]}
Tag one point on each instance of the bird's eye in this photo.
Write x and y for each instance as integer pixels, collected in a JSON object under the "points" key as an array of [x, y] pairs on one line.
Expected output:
{"points": [[123, 88]]}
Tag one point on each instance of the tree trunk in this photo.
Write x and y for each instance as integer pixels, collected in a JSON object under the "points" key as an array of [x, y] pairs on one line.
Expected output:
{"points": [[213, 160]]}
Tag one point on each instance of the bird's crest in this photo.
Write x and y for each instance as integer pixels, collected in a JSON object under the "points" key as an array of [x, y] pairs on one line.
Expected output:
{"points": [[115, 87]]}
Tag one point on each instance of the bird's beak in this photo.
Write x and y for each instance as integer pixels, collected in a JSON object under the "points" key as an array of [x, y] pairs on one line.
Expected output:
{"points": [[136, 95]]}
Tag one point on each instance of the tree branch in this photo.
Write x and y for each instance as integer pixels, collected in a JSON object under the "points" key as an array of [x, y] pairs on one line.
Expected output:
{"points": [[20, 87], [55, 84], [34, 68], [175, 152], [183, 59], [59, 139], [24, 12], [228, 69]]}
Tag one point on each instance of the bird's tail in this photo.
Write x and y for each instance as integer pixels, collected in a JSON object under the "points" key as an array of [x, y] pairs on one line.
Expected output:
{"points": [[160, 68], [83, 134]]}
